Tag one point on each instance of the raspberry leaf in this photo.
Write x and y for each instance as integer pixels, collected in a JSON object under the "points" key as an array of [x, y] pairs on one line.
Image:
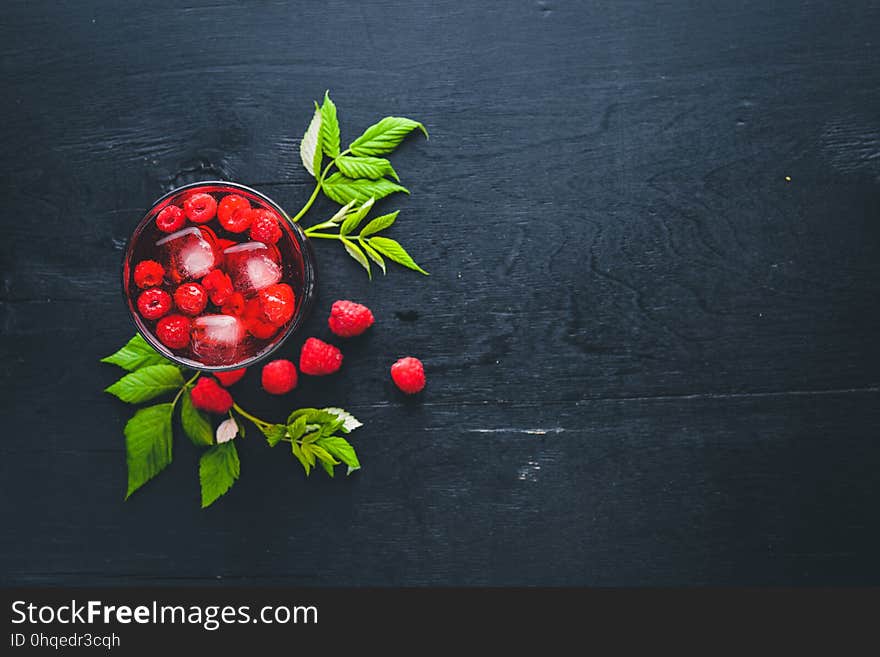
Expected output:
{"points": [[297, 428], [379, 223], [374, 255], [394, 251], [147, 444], [366, 167], [384, 136], [219, 467], [357, 253], [349, 421], [136, 353], [226, 431], [329, 127], [146, 383], [300, 455], [309, 147], [343, 189], [355, 218], [274, 433], [342, 450], [195, 423]]}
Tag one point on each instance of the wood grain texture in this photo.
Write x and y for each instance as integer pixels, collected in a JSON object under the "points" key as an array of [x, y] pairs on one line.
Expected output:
{"points": [[651, 324]]}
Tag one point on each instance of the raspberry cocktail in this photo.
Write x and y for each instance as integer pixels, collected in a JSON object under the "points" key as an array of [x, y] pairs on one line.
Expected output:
{"points": [[216, 276]]}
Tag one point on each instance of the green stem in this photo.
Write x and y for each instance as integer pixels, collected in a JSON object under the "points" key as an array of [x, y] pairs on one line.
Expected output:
{"points": [[185, 387], [245, 414], [325, 236], [314, 195]]}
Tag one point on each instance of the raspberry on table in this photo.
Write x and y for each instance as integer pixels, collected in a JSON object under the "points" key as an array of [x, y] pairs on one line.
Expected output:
{"points": [[264, 226], [173, 331], [318, 358], [409, 375], [231, 377], [191, 298], [219, 286], [148, 273], [170, 219], [255, 321], [348, 319], [207, 395], [278, 303], [200, 208], [279, 377], [153, 303], [234, 214]]}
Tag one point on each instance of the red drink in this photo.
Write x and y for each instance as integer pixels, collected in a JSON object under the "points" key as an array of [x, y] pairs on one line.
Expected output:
{"points": [[216, 277]]}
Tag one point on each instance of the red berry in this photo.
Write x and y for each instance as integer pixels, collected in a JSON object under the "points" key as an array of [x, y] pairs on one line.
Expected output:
{"points": [[234, 213], [319, 358], [148, 273], [409, 375], [153, 303], [231, 377], [279, 377], [191, 298], [255, 321], [348, 319], [170, 219], [264, 226], [234, 305], [278, 303], [173, 331], [200, 208], [207, 395], [223, 244], [219, 286]]}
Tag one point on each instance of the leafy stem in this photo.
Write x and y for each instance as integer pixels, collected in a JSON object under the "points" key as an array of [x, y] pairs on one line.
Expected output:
{"points": [[183, 388], [260, 424]]}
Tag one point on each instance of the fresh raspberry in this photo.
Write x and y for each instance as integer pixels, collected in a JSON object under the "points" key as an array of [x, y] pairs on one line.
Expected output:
{"points": [[219, 286], [279, 377], [173, 331], [264, 226], [231, 377], [319, 358], [409, 375], [255, 321], [348, 319], [191, 298], [153, 303], [170, 219], [148, 273], [207, 395], [278, 303], [223, 244], [234, 213], [200, 208], [234, 305]]}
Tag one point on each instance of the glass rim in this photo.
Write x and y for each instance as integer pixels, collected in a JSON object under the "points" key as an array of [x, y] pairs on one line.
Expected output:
{"points": [[308, 291]]}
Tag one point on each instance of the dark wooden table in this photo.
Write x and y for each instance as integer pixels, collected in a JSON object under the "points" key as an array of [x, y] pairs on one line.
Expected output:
{"points": [[650, 329]]}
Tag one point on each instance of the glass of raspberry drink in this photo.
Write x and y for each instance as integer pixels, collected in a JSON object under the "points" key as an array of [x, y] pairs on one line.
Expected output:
{"points": [[216, 276]]}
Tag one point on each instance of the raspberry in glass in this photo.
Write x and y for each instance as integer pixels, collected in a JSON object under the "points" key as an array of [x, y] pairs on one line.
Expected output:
{"points": [[153, 303], [200, 208]]}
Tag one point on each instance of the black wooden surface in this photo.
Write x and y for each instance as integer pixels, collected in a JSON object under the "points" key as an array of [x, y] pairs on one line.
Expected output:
{"points": [[651, 325]]}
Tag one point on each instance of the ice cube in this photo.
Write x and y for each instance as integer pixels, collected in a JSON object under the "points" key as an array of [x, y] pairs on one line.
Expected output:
{"points": [[188, 254], [252, 266], [217, 339]]}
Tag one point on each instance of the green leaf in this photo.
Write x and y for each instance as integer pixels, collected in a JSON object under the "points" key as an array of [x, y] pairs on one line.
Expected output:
{"points": [[366, 167], [392, 250], [136, 353], [297, 428], [384, 136], [219, 467], [349, 421], [322, 454], [312, 415], [308, 455], [147, 444], [374, 255], [146, 383], [195, 423], [309, 147], [355, 218], [380, 223], [329, 127], [355, 252], [343, 189], [298, 453], [310, 438], [341, 449], [274, 433], [328, 467]]}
